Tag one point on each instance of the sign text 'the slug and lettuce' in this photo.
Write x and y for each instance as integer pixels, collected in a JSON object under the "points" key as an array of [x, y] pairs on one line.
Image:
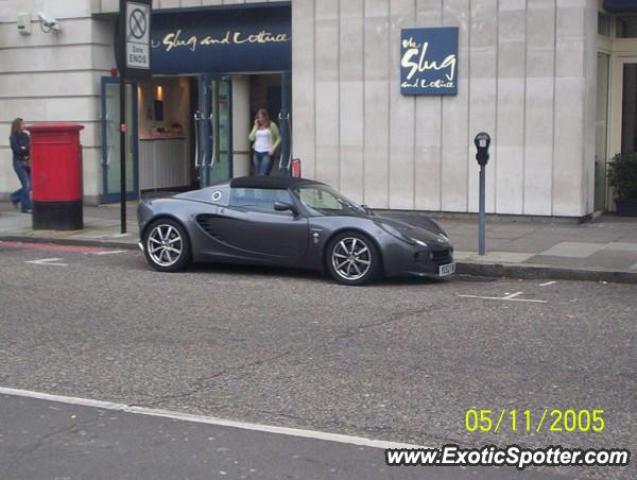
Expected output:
{"points": [[429, 61]]}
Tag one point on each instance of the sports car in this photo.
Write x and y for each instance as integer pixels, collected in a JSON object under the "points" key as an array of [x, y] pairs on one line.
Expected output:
{"points": [[288, 222]]}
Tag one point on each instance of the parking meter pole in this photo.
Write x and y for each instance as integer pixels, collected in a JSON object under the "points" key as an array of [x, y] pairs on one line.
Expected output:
{"points": [[122, 151], [481, 239], [482, 142]]}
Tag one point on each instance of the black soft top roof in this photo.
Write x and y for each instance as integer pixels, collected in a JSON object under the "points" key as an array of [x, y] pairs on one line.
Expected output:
{"points": [[271, 182]]}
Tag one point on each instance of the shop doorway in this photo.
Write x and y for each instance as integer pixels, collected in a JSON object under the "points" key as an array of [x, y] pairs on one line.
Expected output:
{"points": [[191, 131], [273, 93], [224, 116]]}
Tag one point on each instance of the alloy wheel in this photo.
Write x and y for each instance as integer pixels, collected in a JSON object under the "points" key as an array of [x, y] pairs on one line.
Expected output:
{"points": [[165, 245], [351, 258]]}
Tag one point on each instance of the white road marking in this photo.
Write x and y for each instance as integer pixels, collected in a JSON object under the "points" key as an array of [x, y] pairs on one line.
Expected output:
{"points": [[154, 412], [508, 298], [47, 261], [108, 252], [546, 284]]}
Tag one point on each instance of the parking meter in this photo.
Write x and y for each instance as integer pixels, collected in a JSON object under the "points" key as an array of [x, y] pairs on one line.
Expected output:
{"points": [[482, 142]]}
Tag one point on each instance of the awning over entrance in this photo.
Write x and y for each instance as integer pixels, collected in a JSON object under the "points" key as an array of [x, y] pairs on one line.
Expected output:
{"points": [[620, 6], [225, 40]]}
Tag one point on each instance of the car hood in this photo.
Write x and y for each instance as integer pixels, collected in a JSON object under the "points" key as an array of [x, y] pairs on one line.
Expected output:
{"points": [[429, 233], [427, 229]]}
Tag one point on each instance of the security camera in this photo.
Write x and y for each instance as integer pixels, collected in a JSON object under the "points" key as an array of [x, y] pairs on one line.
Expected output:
{"points": [[48, 23]]}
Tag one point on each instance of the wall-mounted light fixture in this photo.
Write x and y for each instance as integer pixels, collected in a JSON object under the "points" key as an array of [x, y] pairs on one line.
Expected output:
{"points": [[159, 104]]}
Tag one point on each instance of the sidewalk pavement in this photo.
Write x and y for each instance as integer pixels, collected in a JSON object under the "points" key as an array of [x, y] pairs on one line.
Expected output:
{"points": [[604, 249]]}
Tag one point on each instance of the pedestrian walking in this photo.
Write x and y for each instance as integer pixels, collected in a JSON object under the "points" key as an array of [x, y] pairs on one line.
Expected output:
{"points": [[266, 138], [21, 147]]}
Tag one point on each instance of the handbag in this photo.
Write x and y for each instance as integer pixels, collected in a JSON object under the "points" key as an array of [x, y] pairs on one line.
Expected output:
{"points": [[24, 156]]}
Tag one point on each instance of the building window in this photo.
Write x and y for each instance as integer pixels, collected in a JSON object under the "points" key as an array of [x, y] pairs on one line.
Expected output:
{"points": [[601, 130], [603, 24], [629, 109], [626, 27]]}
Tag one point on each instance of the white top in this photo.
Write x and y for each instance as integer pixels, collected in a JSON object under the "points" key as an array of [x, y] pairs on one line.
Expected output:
{"points": [[263, 142]]}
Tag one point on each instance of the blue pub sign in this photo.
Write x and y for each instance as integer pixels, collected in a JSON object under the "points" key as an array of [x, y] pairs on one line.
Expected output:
{"points": [[429, 61]]}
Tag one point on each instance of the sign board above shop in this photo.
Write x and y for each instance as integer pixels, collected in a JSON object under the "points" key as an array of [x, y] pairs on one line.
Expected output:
{"points": [[620, 6], [222, 40], [429, 61]]}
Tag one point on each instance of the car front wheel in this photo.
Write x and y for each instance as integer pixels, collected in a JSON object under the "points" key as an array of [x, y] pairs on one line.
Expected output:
{"points": [[353, 259], [166, 246]]}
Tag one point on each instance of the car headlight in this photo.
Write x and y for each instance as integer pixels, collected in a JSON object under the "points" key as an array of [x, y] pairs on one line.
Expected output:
{"points": [[441, 231], [394, 232], [421, 243]]}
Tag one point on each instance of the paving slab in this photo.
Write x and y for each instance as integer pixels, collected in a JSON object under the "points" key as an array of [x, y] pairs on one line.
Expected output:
{"points": [[573, 249], [622, 246]]}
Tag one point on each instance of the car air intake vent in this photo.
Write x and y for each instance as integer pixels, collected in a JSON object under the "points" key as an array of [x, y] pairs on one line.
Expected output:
{"points": [[207, 222], [441, 256], [438, 254]]}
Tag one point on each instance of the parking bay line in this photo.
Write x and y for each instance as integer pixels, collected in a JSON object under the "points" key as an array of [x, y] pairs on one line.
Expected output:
{"points": [[506, 298], [107, 252], [47, 261], [186, 417]]}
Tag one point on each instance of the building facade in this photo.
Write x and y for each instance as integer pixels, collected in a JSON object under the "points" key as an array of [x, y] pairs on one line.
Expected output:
{"points": [[552, 81]]}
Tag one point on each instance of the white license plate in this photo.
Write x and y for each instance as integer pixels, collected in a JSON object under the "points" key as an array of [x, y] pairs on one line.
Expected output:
{"points": [[445, 270]]}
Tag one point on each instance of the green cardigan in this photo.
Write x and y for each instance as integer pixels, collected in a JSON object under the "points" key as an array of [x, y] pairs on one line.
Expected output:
{"points": [[274, 130]]}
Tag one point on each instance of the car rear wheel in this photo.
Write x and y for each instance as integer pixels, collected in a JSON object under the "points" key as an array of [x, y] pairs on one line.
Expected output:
{"points": [[353, 259], [166, 246]]}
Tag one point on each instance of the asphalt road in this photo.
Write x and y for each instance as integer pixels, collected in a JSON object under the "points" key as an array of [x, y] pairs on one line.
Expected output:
{"points": [[52, 440], [398, 361]]}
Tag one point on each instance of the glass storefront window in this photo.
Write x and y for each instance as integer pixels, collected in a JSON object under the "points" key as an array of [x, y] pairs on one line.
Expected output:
{"points": [[111, 144], [626, 27], [603, 24]]}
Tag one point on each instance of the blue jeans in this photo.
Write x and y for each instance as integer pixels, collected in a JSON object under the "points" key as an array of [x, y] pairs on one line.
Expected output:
{"points": [[21, 195], [262, 162]]}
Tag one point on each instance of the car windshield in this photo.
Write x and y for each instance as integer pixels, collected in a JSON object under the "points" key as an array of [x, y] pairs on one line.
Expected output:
{"points": [[326, 201]]}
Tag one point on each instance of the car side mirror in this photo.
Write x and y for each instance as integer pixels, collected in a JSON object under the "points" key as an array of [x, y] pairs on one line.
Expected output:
{"points": [[368, 210], [285, 206]]}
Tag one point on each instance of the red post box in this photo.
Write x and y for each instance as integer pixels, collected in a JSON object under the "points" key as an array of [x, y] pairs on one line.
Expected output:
{"points": [[56, 176]]}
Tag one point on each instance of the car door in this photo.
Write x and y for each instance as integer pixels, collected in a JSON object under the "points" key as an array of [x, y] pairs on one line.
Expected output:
{"points": [[250, 225]]}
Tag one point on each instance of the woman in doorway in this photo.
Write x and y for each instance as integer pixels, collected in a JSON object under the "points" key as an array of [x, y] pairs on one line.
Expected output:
{"points": [[20, 146], [266, 138]]}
